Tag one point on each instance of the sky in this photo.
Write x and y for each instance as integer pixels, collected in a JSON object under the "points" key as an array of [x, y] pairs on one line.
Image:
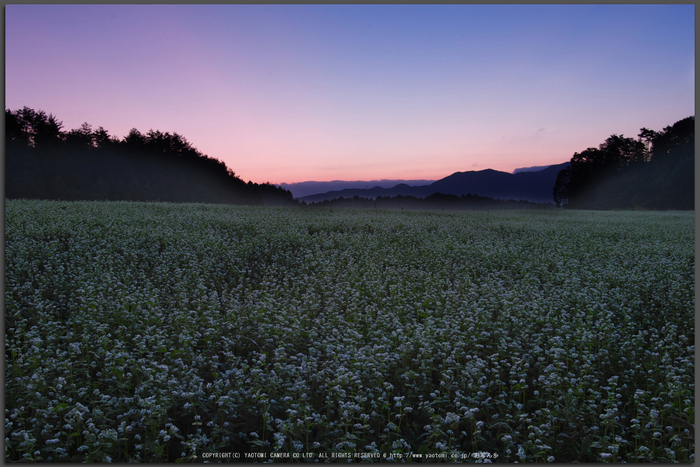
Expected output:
{"points": [[291, 93]]}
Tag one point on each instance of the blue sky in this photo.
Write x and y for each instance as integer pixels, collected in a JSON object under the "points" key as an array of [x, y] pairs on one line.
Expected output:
{"points": [[288, 93]]}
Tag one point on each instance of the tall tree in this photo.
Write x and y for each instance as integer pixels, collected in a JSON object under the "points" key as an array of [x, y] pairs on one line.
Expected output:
{"points": [[81, 137], [654, 171], [561, 187], [34, 128], [16, 128], [43, 129], [677, 140], [590, 167], [102, 138]]}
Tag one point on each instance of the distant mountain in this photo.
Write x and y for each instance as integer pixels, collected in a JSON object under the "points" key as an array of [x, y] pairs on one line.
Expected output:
{"points": [[302, 189], [531, 186]]}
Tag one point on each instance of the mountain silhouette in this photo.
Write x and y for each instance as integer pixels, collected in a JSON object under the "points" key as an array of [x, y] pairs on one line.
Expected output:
{"points": [[531, 186], [301, 189]]}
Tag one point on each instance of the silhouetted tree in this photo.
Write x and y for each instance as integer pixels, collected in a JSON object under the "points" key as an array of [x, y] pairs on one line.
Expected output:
{"points": [[45, 129], [32, 127], [435, 201], [81, 137], [102, 139], [44, 162], [594, 165], [676, 141], [561, 190], [656, 171], [623, 152], [16, 129], [135, 139]]}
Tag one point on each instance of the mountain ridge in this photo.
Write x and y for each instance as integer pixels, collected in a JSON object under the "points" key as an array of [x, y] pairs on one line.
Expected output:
{"points": [[531, 186], [308, 188]]}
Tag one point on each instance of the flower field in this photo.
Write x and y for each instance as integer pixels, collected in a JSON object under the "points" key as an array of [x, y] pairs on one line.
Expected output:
{"points": [[155, 332]]}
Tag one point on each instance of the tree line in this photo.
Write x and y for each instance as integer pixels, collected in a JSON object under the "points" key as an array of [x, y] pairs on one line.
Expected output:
{"points": [[436, 201], [42, 161], [654, 171]]}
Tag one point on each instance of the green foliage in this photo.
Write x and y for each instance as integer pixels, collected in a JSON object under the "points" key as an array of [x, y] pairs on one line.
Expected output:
{"points": [[157, 332]]}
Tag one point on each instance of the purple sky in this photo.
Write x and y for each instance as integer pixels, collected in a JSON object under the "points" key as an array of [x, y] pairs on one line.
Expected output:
{"points": [[288, 93]]}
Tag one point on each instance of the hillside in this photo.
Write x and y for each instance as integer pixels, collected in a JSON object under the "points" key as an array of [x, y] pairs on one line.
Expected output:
{"points": [[44, 162], [301, 189], [530, 186]]}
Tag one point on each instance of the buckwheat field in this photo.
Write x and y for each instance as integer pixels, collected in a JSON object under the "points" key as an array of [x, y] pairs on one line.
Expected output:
{"points": [[159, 332]]}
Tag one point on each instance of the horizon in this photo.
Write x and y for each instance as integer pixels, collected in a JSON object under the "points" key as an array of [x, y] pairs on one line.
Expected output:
{"points": [[400, 180], [299, 93]]}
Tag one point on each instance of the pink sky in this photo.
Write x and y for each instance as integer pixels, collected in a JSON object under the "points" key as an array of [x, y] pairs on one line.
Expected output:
{"points": [[289, 93]]}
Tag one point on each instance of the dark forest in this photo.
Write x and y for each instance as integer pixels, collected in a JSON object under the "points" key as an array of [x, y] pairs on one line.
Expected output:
{"points": [[655, 171], [44, 162]]}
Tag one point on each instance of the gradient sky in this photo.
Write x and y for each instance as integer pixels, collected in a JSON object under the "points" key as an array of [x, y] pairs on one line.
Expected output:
{"points": [[288, 93]]}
